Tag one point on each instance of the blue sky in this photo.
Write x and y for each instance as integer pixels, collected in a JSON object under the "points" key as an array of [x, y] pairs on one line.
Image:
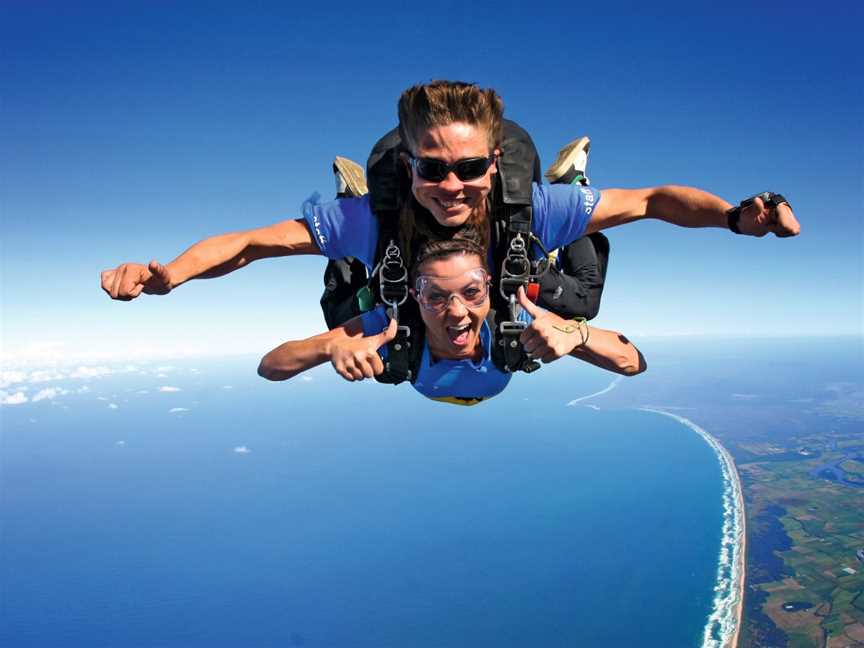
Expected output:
{"points": [[131, 130]]}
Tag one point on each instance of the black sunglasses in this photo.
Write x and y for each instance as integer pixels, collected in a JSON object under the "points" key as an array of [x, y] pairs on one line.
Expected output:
{"points": [[467, 169]]}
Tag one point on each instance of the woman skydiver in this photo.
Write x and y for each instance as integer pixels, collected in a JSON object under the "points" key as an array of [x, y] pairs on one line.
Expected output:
{"points": [[451, 284]]}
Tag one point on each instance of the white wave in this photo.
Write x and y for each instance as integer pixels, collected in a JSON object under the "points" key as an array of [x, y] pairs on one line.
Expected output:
{"points": [[607, 389], [722, 624]]}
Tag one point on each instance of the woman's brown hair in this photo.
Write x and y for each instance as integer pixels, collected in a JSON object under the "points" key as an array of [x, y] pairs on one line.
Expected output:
{"points": [[465, 240]]}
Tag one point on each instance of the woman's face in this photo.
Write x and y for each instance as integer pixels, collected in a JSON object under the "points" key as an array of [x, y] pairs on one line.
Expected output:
{"points": [[452, 286], [452, 201]]}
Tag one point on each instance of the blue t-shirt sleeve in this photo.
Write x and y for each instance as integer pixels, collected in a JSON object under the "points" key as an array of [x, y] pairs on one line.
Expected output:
{"points": [[561, 212], [375, 321], [343, 227]]}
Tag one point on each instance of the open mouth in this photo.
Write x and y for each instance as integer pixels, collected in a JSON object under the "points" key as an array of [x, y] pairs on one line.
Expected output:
{"points": [[459, 334]]}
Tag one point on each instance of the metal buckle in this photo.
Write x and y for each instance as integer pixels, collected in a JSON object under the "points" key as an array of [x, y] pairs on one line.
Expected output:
{"points": [[393, 278]]}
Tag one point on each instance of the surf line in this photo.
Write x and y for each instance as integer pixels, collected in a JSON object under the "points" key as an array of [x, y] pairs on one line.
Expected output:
{"points": [[724, 623], [606, 390]]}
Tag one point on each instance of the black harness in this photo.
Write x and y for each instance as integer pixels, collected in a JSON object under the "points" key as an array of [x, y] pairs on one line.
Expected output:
{"points": [[518, 168]]}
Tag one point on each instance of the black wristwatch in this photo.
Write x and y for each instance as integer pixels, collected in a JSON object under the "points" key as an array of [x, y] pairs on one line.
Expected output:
{"points": [[770, 199]]}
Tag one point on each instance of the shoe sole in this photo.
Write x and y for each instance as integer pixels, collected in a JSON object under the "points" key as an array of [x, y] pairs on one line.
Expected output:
{"points": [[353, 174], [565, 158]]}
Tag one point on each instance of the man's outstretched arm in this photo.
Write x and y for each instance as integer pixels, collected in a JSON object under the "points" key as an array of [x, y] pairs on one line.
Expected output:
{"points": [[689, 207], [212, 257]]}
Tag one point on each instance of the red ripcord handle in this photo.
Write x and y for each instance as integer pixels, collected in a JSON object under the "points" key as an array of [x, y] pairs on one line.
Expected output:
{"points": [[533, 292]]}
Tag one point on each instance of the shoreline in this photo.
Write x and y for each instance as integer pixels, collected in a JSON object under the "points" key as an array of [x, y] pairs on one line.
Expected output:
{"points": [[728, 612]]}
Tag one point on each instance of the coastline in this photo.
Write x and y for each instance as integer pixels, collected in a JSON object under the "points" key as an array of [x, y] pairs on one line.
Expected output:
{"points": [[723, 628]]}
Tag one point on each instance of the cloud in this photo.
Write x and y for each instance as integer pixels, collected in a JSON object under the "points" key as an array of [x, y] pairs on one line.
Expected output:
{"points": [[306, 378], [176, 410], [12, 399], [227, 387], [168, 388], [44, 375], [90, 372], [11, 377], [745, 396], [242, 450], [113, 406], [48, 394], [121, 443]]}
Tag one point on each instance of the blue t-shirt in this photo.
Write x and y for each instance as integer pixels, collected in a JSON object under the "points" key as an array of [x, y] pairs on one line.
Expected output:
{"points": [[465, 381], [346, 226]]}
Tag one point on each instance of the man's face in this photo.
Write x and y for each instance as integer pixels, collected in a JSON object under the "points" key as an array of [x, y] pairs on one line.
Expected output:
{"points": [[454, 332], [452, 201]]}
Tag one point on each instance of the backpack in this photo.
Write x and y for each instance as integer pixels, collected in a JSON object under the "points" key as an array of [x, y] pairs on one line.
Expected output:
{"points": [[350, 290]]}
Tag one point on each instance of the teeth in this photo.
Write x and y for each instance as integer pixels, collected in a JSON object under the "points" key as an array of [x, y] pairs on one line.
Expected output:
{"points": [[451, 203], [459, 329]]}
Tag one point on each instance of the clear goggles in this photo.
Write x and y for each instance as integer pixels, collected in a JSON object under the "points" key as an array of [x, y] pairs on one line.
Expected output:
{"points": [[435, 293]]}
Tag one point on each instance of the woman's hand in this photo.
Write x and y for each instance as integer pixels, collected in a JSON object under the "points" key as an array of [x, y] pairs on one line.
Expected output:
{"points": [[549, 336], [356, 358]]}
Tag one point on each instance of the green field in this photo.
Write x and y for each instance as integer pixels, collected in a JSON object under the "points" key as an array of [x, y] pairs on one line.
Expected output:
{"points": [[825, 522]]}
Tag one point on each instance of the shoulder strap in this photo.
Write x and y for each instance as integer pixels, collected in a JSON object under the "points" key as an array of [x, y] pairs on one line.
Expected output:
{"points": [[388, 181], [512, 267]]}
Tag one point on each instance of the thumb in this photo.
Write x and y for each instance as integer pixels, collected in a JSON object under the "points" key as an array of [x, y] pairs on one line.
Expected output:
{"points": [[530, 307], [387, 334], [758, 207], [159, 270]]}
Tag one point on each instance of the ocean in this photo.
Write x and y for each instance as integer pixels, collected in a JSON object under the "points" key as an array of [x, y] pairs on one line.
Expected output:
{"points": [[198, 505]]}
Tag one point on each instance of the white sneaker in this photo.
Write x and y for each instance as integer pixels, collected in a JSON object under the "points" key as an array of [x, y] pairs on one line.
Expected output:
{"points": [[350, 178], [571, 165]]}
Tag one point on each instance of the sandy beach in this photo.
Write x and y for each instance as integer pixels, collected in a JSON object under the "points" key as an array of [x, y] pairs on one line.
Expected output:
{"points": [[728, 614], [742, 559]]}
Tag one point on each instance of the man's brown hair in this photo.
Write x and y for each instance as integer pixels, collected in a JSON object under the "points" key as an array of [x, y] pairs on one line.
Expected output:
{"points": [[440, 103]]}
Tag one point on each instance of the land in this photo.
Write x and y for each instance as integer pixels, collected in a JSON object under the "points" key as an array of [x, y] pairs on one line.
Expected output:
{"points": [[796, 433]]}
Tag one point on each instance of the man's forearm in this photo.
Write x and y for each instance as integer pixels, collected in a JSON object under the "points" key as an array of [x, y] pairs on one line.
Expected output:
{"points": [[219, 255], [682, 206], [687, 207], [212, 257]]}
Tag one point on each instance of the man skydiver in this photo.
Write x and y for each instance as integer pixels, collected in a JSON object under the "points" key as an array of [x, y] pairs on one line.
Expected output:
{"points": [[572, 283], [453, 134]]}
